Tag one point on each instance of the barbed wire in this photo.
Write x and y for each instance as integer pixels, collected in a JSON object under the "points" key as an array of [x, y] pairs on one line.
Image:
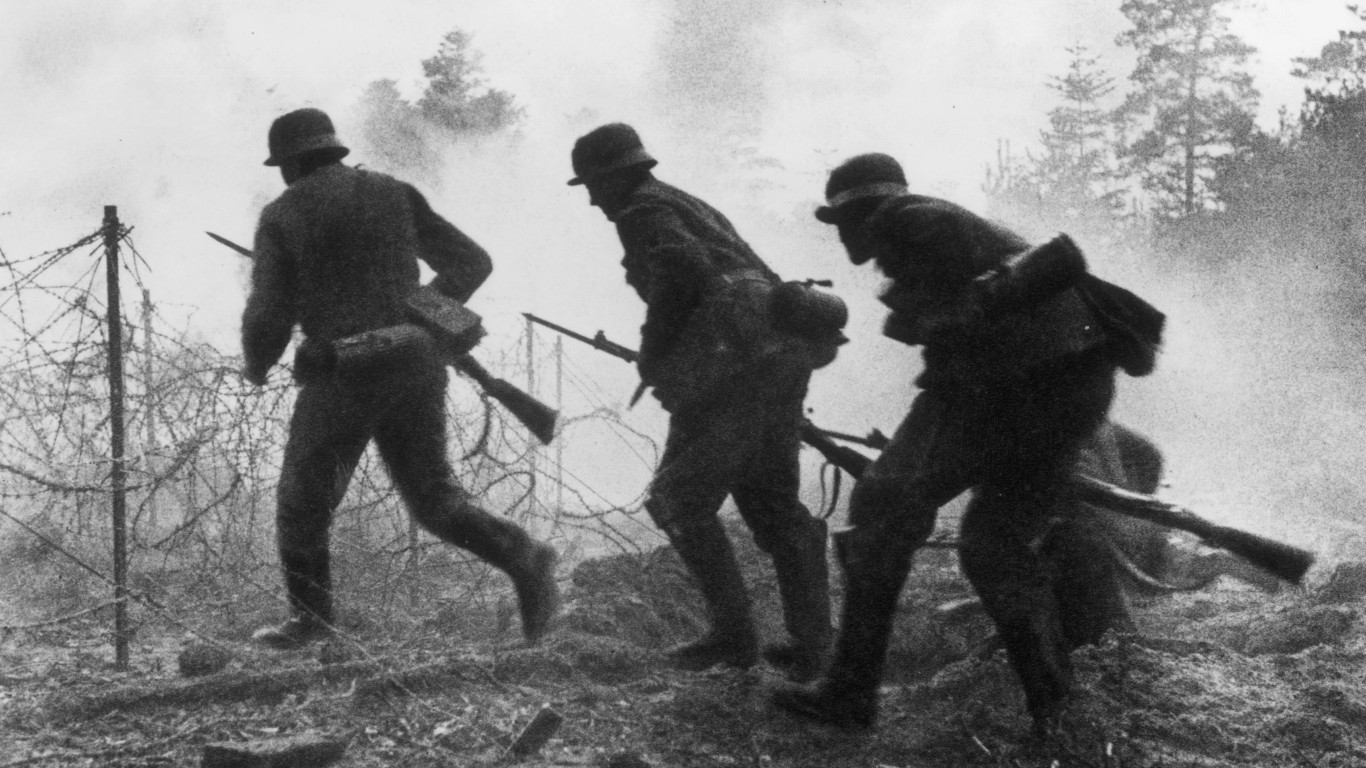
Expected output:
{"points": [[203, 455]]}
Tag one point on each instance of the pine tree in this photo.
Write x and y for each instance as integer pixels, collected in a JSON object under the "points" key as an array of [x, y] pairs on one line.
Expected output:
{"points": [[1302, 189], [457, 97], [1330, 148], [1193, 101], [1076, 170], [1072, 182], [456, 104]]}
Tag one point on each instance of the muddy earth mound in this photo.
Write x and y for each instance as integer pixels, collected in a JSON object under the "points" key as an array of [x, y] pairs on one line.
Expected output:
{"points": [[1226, 676]]}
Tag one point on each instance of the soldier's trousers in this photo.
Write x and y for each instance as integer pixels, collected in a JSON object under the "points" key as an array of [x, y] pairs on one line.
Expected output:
{"points": [[403, 409], [1014, 445], [744, 442]]}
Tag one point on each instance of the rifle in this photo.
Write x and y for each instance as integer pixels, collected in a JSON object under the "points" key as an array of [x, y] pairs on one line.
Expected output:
{"points": [[598, 341], [874, 439], [847, 459], [1284, 560], [851, 461], [429, 309]]}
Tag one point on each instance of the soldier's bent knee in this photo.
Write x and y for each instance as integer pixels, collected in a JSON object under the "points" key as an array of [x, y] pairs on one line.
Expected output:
{"points": [[676, 519], [892, 505], [805, 533]]}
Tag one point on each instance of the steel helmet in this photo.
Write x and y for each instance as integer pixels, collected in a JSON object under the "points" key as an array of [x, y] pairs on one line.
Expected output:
{"points": [[300, 131], [608, 148]]}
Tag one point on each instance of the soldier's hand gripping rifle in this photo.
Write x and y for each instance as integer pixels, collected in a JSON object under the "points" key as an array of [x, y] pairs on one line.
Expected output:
{"points": [[455, 330], [847, 459]]}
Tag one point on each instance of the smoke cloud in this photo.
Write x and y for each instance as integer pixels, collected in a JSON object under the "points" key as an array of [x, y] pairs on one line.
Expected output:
{"points": [[163, 108]]}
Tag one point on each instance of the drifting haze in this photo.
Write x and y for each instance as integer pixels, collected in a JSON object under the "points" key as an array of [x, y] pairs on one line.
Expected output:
{"points": [[162, 109]]}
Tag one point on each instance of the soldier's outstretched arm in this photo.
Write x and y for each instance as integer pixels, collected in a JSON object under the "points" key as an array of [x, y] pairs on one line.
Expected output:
{"points": [[461, 265], [272, 307]]}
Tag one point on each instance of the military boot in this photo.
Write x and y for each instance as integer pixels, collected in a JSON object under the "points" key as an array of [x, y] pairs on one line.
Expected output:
{"points": [[1017, 590], [538, 597], [508, 547], [707, 553], [308, 585], [846, 695], [446, 510], [804, 584]]}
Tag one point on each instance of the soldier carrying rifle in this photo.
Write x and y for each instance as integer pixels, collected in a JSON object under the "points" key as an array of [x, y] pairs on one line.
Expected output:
{"points": [[337, 253], [733, 377], [1021, 347]]}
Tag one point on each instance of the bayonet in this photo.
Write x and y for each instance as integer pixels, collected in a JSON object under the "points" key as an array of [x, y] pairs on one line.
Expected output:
{"points": [[225, 241], [598, 341]]}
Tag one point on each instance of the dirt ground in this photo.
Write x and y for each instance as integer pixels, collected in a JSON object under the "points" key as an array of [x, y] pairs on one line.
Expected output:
{"points": [[1227, 676]]}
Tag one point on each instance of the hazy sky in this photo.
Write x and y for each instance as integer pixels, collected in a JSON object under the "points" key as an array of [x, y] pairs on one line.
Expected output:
{"points": [[162, 108]]}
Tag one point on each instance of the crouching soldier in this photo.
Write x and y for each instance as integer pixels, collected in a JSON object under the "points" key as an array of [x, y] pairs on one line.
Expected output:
{"points": [[733, 385], [337, 253], [1020, 352]]}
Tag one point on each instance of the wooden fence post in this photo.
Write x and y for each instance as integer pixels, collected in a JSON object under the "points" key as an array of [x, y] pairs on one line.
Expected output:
{"points": [[116, 472]]}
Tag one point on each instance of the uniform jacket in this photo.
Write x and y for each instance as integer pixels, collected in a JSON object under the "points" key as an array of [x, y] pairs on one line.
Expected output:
{"points": [[932, 250], [337, 253], [706, 292]]}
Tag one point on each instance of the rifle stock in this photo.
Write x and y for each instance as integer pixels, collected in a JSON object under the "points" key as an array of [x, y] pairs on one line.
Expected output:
{"points": [[534, 415], [844, 457], [1284, 560]]}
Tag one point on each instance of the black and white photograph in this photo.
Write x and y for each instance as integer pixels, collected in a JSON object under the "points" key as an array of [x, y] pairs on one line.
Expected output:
{"points": [[683, 384]]}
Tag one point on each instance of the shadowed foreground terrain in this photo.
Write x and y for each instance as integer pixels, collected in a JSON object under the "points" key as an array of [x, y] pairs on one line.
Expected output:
{"points": [[1228, 676]]}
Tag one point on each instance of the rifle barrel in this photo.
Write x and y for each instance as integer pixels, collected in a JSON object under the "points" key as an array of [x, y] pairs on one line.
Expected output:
{"points": [[598, 342], [558, 328], [845, 458], [874, 440]]}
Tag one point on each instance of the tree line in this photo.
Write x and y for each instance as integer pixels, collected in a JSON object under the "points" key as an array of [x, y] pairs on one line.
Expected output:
{"points": [[1176, 155]]}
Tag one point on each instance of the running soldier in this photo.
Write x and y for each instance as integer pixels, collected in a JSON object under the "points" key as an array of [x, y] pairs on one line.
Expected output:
{"points": [[1020, 354], [733, 385], [336, 254]]}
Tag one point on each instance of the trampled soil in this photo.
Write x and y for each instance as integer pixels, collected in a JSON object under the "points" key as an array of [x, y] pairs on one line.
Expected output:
{"points": [[1228, 676]]}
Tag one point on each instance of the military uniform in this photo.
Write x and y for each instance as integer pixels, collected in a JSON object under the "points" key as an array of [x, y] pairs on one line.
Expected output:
{"points": [[337, 253], [1010, 392], [734, 388]]}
